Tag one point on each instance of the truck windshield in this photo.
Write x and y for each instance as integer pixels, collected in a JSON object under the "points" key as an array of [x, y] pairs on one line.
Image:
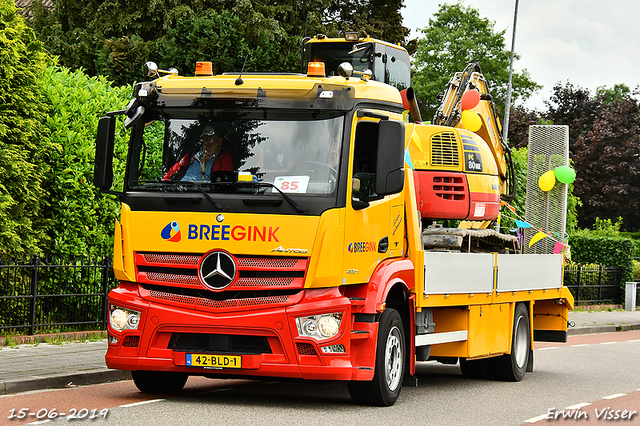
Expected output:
{"points": [[238, 151]]}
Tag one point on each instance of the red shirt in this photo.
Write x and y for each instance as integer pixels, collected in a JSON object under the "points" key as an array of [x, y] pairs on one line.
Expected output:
{"points": [[222, 163]]}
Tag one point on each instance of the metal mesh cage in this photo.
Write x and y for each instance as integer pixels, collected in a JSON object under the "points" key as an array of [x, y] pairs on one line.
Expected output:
{"points": [[546, 211]]}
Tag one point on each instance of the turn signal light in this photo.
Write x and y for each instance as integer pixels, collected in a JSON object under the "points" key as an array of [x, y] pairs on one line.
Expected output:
{"points": [[203, 68], [315, 69]]}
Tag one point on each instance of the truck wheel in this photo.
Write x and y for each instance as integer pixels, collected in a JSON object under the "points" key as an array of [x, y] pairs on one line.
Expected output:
{"points": [[511, 367], [385, 387], [159, 381]]}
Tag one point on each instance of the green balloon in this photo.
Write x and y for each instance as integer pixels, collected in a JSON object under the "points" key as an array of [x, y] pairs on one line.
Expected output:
{"points": [[565, 174]]}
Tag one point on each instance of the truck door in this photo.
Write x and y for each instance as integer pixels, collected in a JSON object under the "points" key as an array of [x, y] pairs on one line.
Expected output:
{"points": [[374, 224]]}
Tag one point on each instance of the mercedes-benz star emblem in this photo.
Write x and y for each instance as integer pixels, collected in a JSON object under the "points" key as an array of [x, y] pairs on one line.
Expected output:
{"points": [[217, 270]]}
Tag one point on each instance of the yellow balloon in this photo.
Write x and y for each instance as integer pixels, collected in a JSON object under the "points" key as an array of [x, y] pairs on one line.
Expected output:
{"points": [[471, 121], [547, 181]]}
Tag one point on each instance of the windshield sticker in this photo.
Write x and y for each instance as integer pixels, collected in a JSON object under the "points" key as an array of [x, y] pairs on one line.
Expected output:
{"points": [[293, 184]]}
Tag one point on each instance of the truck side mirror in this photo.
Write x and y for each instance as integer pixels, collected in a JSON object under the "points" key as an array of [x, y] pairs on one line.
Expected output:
{"points": [[105, 140], [390, 161]]}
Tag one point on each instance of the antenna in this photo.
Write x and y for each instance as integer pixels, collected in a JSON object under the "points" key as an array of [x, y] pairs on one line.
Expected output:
{"points": [[239, 80]]}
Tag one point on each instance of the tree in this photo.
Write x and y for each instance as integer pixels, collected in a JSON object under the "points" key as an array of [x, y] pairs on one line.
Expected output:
{"points": [[24, 152], [520, 118], [575, 107], [377, 18], [227, 41], [115, 37], [617, 92], [607, 162], [456, 36]]}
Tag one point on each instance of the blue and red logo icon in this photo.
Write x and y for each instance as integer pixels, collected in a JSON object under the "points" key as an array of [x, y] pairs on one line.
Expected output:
{"points": [[171, 232]]}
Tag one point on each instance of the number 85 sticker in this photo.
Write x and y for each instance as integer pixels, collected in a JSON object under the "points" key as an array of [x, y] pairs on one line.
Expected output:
{"points": [[294, 184]]}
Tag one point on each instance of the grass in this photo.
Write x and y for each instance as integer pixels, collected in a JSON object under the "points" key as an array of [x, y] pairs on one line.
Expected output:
{"points": [[52, 338]]}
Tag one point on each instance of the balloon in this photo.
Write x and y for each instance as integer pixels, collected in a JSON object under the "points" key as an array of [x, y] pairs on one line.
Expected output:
{"points": [[405, 101], [471, 121], [547, 181], [565, 174], [470, 99]]}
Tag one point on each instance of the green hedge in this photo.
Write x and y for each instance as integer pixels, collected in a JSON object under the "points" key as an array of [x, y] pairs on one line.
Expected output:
{"points": [[610, 251]]}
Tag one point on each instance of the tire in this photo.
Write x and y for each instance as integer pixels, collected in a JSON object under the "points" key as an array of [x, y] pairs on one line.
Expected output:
{"points": [[159, 381], [511, 367], [385, 387]]}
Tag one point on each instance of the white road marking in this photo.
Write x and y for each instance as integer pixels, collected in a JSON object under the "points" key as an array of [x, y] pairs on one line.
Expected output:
{"points": [[616, 395], [141, 403]]}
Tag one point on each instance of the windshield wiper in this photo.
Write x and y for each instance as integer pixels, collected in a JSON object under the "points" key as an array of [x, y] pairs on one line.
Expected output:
{"points": [[284, 195], [215, 203], [265, 185]]}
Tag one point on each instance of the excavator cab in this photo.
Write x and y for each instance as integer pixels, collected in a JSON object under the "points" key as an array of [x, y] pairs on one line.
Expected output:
{"points": [[389, 63]]}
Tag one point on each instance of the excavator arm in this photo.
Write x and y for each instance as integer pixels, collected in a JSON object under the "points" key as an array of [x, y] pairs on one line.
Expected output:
{"points": [[449, 113]]}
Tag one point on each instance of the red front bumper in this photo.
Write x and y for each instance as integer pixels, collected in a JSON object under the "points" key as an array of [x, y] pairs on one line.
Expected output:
{"points": [[265, 337]]}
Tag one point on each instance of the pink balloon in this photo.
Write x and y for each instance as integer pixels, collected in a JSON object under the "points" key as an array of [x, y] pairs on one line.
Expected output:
{"points": [[470, 99]]}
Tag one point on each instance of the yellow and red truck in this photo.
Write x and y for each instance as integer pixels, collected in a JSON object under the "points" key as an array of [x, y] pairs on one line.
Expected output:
{"points": [[311, 256]]}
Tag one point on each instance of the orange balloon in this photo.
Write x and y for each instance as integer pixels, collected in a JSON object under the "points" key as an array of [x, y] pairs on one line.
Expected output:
{"points": [[470, 99], [471, 121]]}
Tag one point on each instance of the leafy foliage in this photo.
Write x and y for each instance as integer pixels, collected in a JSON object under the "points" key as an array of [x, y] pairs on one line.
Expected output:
{"points": [[520, 118], [587, 247], [606, 158], [456, 36], [24, 152], [81, 216], [114, 38], [225, 39], [575, 107]]}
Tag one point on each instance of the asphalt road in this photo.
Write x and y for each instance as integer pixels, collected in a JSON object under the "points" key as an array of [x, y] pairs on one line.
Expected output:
{"points": [[589, 374]]}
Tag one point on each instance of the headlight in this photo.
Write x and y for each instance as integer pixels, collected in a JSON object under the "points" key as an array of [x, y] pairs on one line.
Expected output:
{"points": [[319, 327], [123, 319]]}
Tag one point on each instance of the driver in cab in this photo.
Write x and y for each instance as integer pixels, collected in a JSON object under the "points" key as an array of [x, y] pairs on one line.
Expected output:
{"points": [[199, 167]]}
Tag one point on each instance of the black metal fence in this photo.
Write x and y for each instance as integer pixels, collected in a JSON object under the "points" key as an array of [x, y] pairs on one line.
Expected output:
{"points": [[594, 284], [47, 294], [44, 294]]}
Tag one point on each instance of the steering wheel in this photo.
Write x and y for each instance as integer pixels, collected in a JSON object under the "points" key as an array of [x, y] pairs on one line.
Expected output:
{"points": [[311, 167]]}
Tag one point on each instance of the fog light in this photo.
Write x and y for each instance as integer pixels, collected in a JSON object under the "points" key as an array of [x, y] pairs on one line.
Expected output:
{"points": [[123, 319], [333, 349], [319, 327]]}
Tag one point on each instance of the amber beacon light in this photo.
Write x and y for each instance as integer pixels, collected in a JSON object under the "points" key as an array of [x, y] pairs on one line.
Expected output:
{"points": [[203, 68], [315, 69]]}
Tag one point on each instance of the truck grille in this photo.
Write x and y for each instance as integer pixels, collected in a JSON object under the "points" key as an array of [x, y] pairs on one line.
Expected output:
{"points": [[254, 272], [444, 150], [260, 281]]}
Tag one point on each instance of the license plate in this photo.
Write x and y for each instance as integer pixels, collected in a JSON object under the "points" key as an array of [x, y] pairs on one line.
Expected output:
{"points": [[214, 361]]}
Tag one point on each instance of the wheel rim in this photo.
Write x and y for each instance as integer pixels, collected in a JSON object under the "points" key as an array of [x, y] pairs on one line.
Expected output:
{"points": [[520, 347], [393, 359]]}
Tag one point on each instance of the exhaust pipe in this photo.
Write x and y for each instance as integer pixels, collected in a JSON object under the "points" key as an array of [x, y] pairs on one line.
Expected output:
{"points": [[413, 105]]}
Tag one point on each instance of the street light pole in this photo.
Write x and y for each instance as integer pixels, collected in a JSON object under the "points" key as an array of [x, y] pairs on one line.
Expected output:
{"points": [[507, 107]]}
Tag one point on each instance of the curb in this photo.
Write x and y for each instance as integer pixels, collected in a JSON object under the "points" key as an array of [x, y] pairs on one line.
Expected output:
{"points": [[602, 329], [63, 381]]}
